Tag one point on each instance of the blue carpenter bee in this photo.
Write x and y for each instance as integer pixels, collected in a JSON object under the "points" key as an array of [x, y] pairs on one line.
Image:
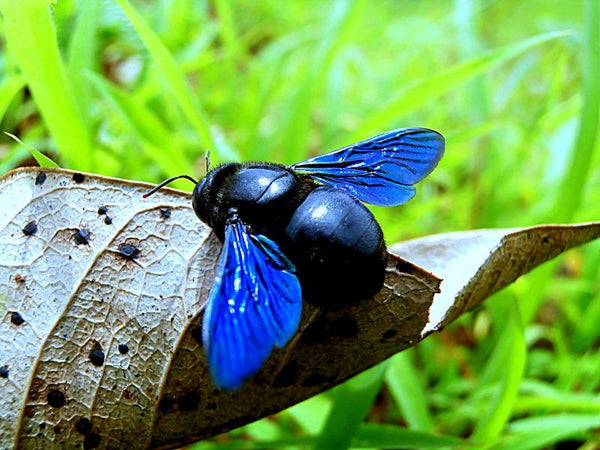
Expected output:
{"points": [[298, 232]]}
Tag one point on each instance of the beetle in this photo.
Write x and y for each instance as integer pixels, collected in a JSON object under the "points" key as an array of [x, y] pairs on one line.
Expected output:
{"points": [[298, 232]]}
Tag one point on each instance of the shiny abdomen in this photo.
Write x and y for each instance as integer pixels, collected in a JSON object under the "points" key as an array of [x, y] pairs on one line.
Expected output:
{"points": [[337, 246]]}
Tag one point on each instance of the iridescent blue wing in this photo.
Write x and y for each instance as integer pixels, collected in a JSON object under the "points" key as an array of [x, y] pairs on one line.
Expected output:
{"points": [[254, 305], [380, 170]]}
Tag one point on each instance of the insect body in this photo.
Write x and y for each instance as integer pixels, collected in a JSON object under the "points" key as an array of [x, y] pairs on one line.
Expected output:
{"points": [[332, 239], [299, 232]]}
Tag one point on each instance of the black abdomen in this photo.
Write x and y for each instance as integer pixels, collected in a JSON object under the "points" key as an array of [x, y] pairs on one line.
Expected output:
{"points": [[337, 246]]}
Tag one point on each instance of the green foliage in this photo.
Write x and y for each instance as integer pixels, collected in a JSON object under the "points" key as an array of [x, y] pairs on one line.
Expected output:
{"points": [[402, 379], [32, 42], [351, 403], [140, 90]]}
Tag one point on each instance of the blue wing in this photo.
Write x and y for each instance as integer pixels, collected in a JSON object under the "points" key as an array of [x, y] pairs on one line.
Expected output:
{"points": [[254, 305], [380, 170]]}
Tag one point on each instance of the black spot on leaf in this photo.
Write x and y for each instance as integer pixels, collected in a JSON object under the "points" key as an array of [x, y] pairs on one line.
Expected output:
{"points": [[165, 213], [83, 426], [315, 332], [107, 220], [129, 251], [317, 379], [4, 372], [92, 440], [78, 178], [20, 278], [288, 375], [56, 399], [102, 210], [82, 236], [389, 333], [189, 401], [166, 405], [127, 394], [123, 349], [57, 429], [30, 229], [16, 319], [39, 180], [197, 334], [97, 355]]}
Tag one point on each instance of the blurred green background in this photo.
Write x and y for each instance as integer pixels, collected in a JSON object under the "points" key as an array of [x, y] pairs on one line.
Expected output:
{"points": [[141, 90]]}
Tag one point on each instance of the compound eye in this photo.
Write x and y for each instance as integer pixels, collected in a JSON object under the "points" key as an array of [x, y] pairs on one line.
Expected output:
{"points": [[197, 202], [200, 186]]}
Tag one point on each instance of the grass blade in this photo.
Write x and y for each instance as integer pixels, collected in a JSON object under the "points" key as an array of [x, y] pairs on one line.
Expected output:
{"points": [[403, 382], [310, 415], [228, 32], [351, 404], [144, 125], [82, 53], [176, 83], [424, 90], [8, 90], [539, 432], [510, 349], [141, 121], [295, 129], [575, 177], [371, 435], [31, 38], [571, 189], [41, 159]]}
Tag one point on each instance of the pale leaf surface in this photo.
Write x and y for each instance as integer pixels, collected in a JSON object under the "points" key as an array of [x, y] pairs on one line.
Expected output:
{"points": [[475, 264]]}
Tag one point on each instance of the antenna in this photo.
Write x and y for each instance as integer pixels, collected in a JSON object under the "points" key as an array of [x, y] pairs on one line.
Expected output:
{"points": [[207, 159], [167, 181]]}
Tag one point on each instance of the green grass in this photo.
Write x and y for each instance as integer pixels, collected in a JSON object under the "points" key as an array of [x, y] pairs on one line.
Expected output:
{"points": [[140, 90]]}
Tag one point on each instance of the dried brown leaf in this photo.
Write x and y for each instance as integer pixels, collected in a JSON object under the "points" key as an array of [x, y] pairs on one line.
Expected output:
{"points": [[102, 295]]}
